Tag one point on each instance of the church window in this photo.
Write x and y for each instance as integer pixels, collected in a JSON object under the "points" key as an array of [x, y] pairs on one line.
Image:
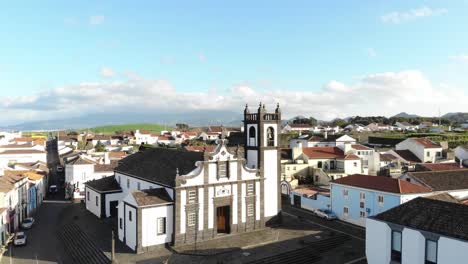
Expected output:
{"points": [[161, 225], [250, 189], [128, 183], [138, 185], [270, 137], [192, 197], [222, 169], [252, 136], [191, 219], [250, 210], [130, 216]]}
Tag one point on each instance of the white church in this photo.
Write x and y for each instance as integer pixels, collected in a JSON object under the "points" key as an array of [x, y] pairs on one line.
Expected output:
{"points": [[165, 196]]}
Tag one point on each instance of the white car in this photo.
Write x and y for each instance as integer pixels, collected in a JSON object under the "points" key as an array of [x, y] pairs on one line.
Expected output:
{"points": [[326, 214], [27, 223], [20, 239]]}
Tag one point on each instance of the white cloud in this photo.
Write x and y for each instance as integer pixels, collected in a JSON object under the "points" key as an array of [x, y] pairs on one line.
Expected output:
{"points": [[461, 57], [371, 52], [374, 94], [397, 17], [96, 19], [107, 72]]}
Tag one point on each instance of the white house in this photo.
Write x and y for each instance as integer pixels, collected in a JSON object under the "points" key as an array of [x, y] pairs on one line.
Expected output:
{"points": [[424, 149], [23, 155], [296, 128], [420, 231], [6, 137], [81, 169], [461, 154], [406, 126], [143, 136], [209, 136], [102, 196]]}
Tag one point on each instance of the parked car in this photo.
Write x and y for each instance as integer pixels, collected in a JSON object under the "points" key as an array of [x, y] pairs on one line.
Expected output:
{"points": [[326, 214], [53, 189], [20, 239], [27, 223]]}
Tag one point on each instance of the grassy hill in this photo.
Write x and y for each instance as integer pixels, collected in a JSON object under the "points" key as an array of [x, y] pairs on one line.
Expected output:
{"points": [[155, 128]]}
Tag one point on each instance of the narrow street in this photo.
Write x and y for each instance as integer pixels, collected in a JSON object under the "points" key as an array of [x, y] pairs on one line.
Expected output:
{"points": [[43, 245]]}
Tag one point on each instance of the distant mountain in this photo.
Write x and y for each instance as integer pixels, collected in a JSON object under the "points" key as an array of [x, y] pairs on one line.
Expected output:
{"points": [[194, 118], [405, 115], [458, 117]]}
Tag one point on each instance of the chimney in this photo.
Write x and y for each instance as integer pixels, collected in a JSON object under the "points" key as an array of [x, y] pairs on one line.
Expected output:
{"points": [[347, 147], [106, 158], [297, 151]]}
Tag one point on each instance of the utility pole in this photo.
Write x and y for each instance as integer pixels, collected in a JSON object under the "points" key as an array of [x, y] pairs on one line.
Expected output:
{"points": [[113, 247]]}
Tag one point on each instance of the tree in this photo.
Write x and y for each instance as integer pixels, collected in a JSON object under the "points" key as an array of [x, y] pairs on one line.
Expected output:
{"points": [[313, 121], [182, 127], [339, 122], [73, 133], [100, 147]]}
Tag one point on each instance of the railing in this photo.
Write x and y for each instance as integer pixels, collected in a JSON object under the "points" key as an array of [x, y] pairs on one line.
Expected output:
{"points": [[251, 117]]}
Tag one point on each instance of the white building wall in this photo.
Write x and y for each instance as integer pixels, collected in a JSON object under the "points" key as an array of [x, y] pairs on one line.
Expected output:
{"points": [[413, 244], [377, 242], [122, 179], [243, 211], [112, 197], [271, 182], [201, 206], [210, 207], [234, 204], [452, 251], [91, 197], [257, 202], [149, 233], [130, 227], [183, 202], [252, 159]]}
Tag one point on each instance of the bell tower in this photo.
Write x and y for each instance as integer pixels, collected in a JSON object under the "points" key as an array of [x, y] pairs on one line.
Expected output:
{"points": [[261, 152]]}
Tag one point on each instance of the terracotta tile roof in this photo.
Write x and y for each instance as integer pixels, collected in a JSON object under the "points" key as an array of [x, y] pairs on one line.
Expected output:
{"points": [[117, 154], [33, 176], [360, 147], [426, 143], [22, 151], [351, 157], [408, 156], [212, 133], [13, 146], [440, 217], [81, 161], [440, 166], [443, 197], [216, 129], [442, 180], [200, 148], [387, 157], [152, 197], [381, 183], [323, 153], [163, 138]]}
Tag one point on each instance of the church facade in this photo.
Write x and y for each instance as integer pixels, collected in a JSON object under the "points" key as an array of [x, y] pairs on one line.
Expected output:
{"points": [[178, 197]]}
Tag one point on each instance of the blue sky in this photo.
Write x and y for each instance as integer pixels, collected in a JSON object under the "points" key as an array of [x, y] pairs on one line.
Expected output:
{"points": [[212, 47]]}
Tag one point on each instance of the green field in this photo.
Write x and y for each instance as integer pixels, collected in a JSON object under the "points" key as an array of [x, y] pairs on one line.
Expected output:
{"points": [[112, 129]]}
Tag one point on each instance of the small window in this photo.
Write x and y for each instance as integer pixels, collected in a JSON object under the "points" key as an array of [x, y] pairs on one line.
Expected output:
{"points": [[431, 251], [88, 196], [250, 210], [428, 154], [191, 219], [345, 211], [128, 183], [120, 223], [192, 197], [362, 196], [396, 246], [289, 168], [355, 164], [362, 214], [319, 164], [380, 199], [97, 201], [359, 152], [345, 193], [361, 204], [222, 169], [250, 189], [294, 168], [138, 185], [161, 225], [129, 215]]}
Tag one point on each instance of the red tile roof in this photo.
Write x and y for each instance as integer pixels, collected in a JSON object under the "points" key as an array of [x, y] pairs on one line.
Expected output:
{"points": [[22, 151], [387, 157], [442, 166], [351, 157], [360, 147], [323, 153], [426, 143], [381, 183], [117, 154]]}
